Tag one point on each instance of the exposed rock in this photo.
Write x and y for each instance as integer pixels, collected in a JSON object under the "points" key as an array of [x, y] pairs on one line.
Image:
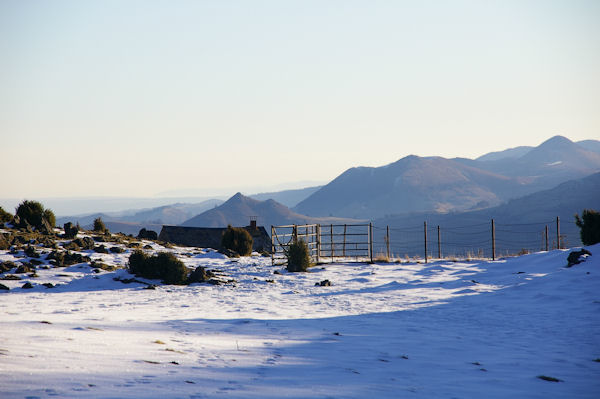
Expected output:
{"points": [[229, 253], [71, 230], [324, 283], [4, 241], [27, 285], [85, 242], [10, 277], [116, 250], [7, 266], [576, 257], [23, 269], [31, 252], [101, 249], [61, 259], [200, 275], [48, 285], [46, 228], [3, 287]]}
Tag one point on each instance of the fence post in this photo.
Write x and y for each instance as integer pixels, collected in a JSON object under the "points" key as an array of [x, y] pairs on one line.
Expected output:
{"points": [[387, 241], [493, 240], [318, 232], [371, 241], [331, 240], [272, 246], [344, 245], [295, 234], [425, 233], [557, 232], [439, 243], [546, 238]]}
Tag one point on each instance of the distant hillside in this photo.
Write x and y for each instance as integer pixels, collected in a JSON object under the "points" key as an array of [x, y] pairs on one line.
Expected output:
{"points": [[289, 198], [239, 209], [408, 185], [415, 184], [152, 218]]}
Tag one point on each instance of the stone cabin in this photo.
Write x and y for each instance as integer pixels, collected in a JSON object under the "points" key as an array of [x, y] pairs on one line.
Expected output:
{"points": [[210, 237]]}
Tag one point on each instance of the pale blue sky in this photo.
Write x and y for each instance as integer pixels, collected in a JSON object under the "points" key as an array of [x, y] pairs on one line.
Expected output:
{"points": [[133, 98]]}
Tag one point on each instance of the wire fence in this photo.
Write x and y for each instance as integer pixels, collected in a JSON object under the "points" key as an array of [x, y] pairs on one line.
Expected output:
{"points": [[367, 242]]}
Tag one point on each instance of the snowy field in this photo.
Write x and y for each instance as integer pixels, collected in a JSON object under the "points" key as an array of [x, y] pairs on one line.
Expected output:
{"points": [[440, 330]]}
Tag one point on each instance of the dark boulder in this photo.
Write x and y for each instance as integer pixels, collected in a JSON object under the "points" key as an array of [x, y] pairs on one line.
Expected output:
{"points": [[3, 287], [324, 283], [200, 275], [84, 242], [27, 285], [7, 266], [31, 252], [23, 269], [71, 230], [576, 257]]}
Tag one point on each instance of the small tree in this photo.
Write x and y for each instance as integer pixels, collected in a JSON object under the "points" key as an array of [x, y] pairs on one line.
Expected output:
{"points": [[589, 226], [5, 217], [298, 258], [99, 226], [33, 213], [238, 240], [164, 266]]}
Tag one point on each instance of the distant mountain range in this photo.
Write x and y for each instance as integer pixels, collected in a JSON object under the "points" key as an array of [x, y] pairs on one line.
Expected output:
{"points": [[417, 184], [151, 219], [239, 209], [409, 189]]}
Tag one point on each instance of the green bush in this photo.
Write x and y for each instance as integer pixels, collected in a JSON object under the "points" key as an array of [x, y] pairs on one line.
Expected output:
{"points": [[163, 266], [589, 226], [298, 258], [5, 217], [33, 213], [99, 225], [238, 240]]}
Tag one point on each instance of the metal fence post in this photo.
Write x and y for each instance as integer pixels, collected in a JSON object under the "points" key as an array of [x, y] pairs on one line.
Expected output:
{"points": [[272, 246], [557, 232], [371, 241], [425, 233], [387, 241], [439, 243], [493, 240]]}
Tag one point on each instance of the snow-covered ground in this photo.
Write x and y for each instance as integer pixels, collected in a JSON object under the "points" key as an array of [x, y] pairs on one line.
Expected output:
{"points": [[440, 330]]}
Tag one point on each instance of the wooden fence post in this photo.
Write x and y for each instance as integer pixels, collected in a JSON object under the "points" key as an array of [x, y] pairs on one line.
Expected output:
{"points": [[295, 234], [557, 232], [425, 233], [439, 243], [493, 240]]}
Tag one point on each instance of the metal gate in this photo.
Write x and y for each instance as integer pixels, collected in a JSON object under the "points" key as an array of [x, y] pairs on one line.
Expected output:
{"points": [[326, 242]]}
